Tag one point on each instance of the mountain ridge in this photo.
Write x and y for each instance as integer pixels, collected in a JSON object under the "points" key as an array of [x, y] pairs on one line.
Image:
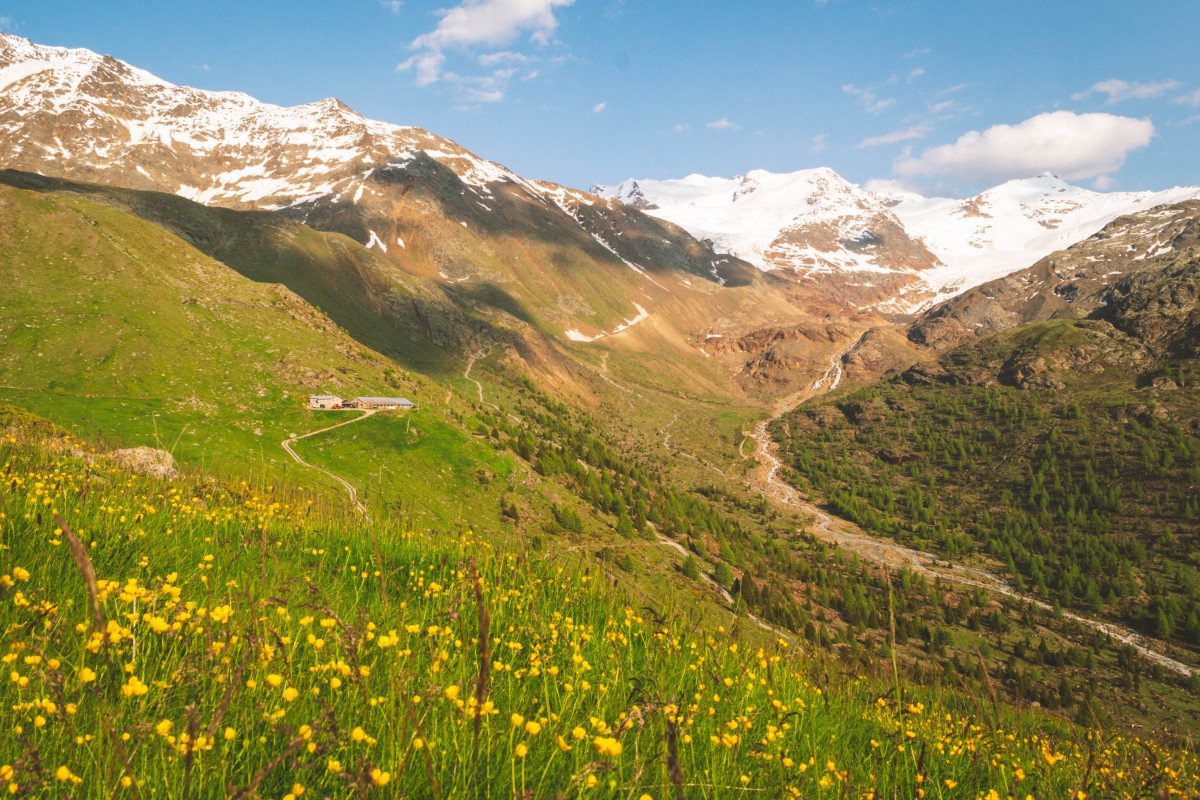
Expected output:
{"points": [[914, 251]]}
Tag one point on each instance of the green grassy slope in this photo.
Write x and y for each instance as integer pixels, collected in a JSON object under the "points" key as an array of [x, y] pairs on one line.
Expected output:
{"points": [[235, 642], [124, 331], [380, 306], [213, 363]]}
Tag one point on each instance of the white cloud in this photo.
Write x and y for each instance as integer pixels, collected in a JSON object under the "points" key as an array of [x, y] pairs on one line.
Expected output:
{"points": [[428, 67], [905, 135], [599, 108], [1192, 99], [502, 57], [722, 124], [1118, 90], [1104, 183], [919, 52], [885, 186], [820, 143], [7, 25], [481, 23], [392, 5], [915, 73], [869, 100], [682, 127], [1073, 146], [472, 90]]}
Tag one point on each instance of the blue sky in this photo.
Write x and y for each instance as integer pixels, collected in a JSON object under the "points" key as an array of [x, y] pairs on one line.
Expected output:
{"points": [[938, 96]]}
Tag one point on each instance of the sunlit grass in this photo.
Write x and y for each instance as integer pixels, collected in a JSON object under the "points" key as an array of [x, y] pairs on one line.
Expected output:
{"points": [[243, 642]]}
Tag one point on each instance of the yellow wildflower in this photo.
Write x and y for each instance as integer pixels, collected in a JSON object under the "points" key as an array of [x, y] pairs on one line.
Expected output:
{"points": [[607, 746]]}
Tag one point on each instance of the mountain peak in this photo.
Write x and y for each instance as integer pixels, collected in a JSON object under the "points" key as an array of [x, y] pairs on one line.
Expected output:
{"points": [[226, 148]]}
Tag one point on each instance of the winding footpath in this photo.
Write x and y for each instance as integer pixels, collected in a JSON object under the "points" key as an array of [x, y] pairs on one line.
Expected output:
{"points": [[891, 555], [479, 388], [286, 444]]}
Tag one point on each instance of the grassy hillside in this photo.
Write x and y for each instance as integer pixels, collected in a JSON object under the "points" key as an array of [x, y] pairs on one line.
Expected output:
{"points": [[624, 456], [109, 321], [129, 334], [236, 641], [378, 305]]}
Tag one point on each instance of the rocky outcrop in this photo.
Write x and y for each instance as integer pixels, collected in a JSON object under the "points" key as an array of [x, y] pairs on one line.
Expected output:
{"points": [[147, 461]]}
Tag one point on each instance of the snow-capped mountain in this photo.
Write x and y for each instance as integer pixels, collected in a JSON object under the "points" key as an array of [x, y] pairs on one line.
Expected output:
{"points": [[1011, 226], [909, 250], [425, 203], [223, 148], [812, 226], [1077, 281]]}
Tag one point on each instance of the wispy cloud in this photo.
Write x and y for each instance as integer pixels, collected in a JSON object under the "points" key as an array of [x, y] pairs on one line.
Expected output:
{"points": [[918, 53], [503, 57], [870, 101], [1074, 146], [8, 25], [615, 10], [905, 135], [393, 6], [915, 73], [1191, 99], [599, 108], [722, 124], [474, 24], [682, 127], [820, 143], [1118, 91], [472, 90]]}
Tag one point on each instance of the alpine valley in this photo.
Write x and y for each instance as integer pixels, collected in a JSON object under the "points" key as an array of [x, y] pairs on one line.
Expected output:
{"points": [[905, 452]]}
